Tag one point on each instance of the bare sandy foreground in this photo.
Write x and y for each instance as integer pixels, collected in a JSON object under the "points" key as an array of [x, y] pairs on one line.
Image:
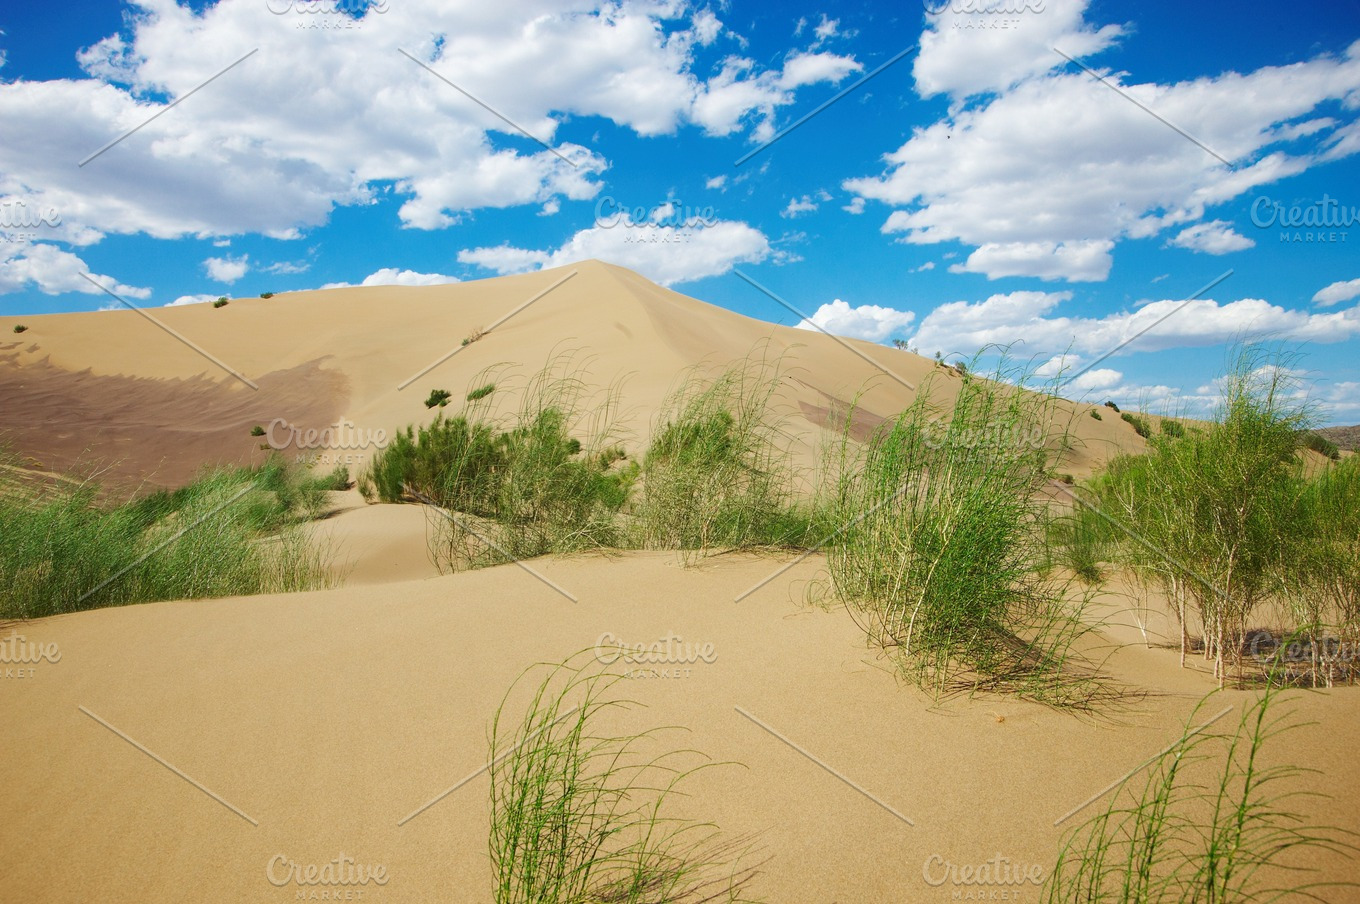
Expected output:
{"points": [[312, 724]]}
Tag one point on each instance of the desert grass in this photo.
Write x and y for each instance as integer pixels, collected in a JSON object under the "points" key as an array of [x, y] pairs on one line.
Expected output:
{"points": [[581, 815], [717, 475], [942, 556], [1210, 821], [230, 532]]}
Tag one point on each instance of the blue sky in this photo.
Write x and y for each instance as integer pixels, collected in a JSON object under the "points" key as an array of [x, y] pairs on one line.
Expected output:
{"points": [[984, 188]]}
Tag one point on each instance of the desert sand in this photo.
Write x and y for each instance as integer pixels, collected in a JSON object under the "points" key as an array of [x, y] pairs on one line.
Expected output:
{"points": [[182, 750], [115, 390]]}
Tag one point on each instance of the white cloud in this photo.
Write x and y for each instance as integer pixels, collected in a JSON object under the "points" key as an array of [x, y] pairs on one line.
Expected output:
{"points": [[287, 267], [664, 254], [826, 28], [706, 27], [1033, 318], [856, 206], [1045, 177], [717, 182], [391, 276], [960, 58], [1076, 261], [187, 299], [928, 265], [805, 204], [310, 122], [1214, 237], [504, 259], [53, 271], [1094, 380], [869, 321], [1337, 292], [227, 269]]}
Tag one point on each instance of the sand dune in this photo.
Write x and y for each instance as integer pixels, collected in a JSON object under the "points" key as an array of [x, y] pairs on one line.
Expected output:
{"points": [[182, 750], [115, 388], [328, 717]]}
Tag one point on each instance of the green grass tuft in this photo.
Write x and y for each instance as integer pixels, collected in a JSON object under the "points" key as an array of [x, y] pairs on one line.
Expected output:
{"points": [[228, 533], [579, 814], [1210, 822], [941, 556]]}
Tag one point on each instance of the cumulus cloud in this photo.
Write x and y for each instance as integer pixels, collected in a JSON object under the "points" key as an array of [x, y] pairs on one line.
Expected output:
{"points": [[1034, 319], [664, 254], [1094, 380], [53, 271], [182, 300], [956, 41], [1087, 261], [227, 269], [1044, 177], [391, 276], [718, 183], [868, 321], [308, 122], [1337, 292], [805, 204], [1215, 237], [504, 259]]}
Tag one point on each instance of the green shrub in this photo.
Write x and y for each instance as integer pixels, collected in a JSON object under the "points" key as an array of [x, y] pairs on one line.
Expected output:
{"points": [[1080, 540], [1321, 445], [525, 489], [481, 392], [257, 430], [1096, 415], [20, 328], [1139, 425], [1210, 518], [1173, 428], [64, 551], [1112, 406], [221, 302], [266, 294], [438, 397]]}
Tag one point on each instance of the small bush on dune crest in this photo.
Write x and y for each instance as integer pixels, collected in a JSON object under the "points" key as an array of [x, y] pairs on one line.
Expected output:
{"points": [[580, 815], [942, 550], [1139, 425], [1210, 822]]}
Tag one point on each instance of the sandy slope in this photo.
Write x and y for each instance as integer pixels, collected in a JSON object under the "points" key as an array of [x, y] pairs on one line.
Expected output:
{"points": [[325, 718], [328, 717], [113, 387]]}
